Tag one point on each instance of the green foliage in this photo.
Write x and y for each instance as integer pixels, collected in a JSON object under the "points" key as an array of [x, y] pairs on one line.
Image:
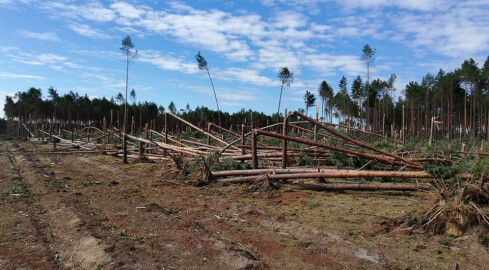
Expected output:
{"points": [[440, 171], [229, 164], [481, 167], [214, 163], [339, 159], [271, 141], [191, 134], [286, 77], [384, 145], [309, 100], [303, 160], [342, 160], [201, 62], [3, 126]]}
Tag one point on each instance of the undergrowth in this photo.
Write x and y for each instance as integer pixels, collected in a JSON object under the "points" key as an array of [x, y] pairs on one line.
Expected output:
{"points": [[213, 163]]}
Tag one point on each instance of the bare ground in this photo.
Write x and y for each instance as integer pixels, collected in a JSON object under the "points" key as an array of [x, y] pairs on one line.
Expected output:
{"points": [[93, 212]]}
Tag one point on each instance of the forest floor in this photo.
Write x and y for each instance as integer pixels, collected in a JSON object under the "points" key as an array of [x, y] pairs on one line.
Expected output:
{"points": [[83, 211]]}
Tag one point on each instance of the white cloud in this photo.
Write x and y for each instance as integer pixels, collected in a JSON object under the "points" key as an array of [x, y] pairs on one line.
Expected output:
{"points": [[328, 64], [47, 36], [93, 11], [223, 94], [246, 76], [166, 62], [37, 60], [50, 58], [420, 5], [87, 31], [19, 76], [127, 10], [461, 31]]}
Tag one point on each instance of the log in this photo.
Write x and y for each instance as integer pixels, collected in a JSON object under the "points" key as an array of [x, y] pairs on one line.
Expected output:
{"points": [[346, 138], [198, 129], [164, 146], [265, 171], [66, 141], [367, 132], [359, 187], [92, 140], [474, 153], [277, 154], [64, 152], [249, 133], [338, 174], [254, 158], [383, 159], [284, 142], [223, 129], [442, 160], [305, 150], [124, 148]]}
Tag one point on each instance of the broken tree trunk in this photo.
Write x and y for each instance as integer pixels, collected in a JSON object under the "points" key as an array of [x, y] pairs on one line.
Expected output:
{"points": [[198, 129], [379, 158], [360, 187], [346, 138], [337, 174], [284, 143], [265, 171]]}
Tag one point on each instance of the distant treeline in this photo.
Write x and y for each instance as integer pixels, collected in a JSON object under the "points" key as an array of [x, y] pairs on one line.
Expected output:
{"points": [[72, 109]]}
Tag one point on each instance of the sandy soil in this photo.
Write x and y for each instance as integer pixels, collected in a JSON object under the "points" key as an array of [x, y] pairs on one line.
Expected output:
{"points": [[93, 212]]}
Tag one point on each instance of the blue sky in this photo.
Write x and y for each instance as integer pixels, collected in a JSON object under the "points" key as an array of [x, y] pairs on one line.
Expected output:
{"points": [[74, 45]]}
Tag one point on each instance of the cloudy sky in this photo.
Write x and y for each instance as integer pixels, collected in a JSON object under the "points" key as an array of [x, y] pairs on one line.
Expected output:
{"points": [[74, 45]]}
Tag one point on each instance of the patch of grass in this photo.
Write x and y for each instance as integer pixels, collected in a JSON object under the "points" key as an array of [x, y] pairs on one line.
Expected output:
{"points": [[247, 253], [312, 205], [414, 220], [19, 190], [90, 183], [140, 241], [342, 219], [99, 267], [14, 169]]}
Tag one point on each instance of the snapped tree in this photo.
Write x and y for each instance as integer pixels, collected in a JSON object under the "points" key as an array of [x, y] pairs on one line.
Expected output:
{"points": [[368, 57], [286, 78], [326, 94], [309, 100], [202, 63], [127, 49]]}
